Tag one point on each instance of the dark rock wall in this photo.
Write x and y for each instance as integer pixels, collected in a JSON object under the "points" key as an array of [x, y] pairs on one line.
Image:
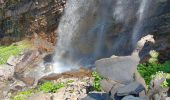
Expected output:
{"points": [[159, 25], [20, 18]]}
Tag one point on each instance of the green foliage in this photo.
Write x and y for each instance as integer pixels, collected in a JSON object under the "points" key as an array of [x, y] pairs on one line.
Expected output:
{"points": [[7, 51], [47, 87], [50, 87], [160, 75], [154, 56], [23, 95], [70, 81], [147, 70], [153, 67], [96, 83]]}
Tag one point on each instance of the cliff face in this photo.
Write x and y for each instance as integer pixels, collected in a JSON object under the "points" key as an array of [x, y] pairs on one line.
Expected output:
{"points": [[159, 25], [19, 18]]}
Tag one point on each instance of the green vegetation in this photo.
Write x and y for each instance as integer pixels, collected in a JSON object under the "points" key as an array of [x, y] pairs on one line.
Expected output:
{"points": [[160, 75], [148, 69], [23, 95], [14, 49], [154, 56], [153, 68], [49, 87], [70, 81], [96, 83]]}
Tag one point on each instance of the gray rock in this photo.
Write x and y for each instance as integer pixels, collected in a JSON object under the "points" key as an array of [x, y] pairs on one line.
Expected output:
{"points": [[107, 85], [131, 98], [114, 90], [139, 78], [6, 72], [40, 96], [120, 69], [155, 89], [97, 96], [133, 88], [12, 60], [26, 60]]}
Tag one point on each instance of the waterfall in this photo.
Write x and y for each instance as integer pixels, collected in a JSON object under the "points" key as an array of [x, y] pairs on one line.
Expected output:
{"points": [[86, 25], [141, 15]]}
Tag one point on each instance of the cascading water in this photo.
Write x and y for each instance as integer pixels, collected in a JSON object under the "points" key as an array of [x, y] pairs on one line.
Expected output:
{"points": [[141, 15], [87, 25]]}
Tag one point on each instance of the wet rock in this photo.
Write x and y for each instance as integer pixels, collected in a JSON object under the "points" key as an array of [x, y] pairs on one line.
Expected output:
{"points": [[6, 72], [97, 96], [133, 88], [120, 69]]}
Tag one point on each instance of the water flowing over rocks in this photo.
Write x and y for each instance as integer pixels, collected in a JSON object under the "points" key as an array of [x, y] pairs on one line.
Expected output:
{"points": [[87, 32]]}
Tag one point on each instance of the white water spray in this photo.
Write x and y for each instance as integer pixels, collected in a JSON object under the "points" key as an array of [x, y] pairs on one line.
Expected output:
{"points": [[141, 15], [86, 24]]}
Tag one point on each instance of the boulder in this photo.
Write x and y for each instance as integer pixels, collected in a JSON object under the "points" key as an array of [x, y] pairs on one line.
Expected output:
{"points": [[114, 90], [107, 85], [40, 96], [139, 78], [120, 69], [12, 60], [97, 96], [155, 90], [133, 88], [26, 60], [6, 72], [132, 98], [59, 95]]}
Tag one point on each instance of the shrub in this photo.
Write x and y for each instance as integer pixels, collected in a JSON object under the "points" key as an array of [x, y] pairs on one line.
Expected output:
{"points": [[23, 95], [153, 67], [50, 87], [14, 49], [96, 83]]}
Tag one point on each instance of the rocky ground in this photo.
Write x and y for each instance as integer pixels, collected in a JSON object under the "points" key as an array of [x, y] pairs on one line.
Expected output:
{"points": [[128, 85], [118, 80]]}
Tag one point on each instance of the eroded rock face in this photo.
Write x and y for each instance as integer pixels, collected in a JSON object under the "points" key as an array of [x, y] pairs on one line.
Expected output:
{"points": [[24, 17]]}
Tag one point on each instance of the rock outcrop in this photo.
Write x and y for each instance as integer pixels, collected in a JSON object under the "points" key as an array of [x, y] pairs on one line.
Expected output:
{"points": [[120, 78], [23, 18]]}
